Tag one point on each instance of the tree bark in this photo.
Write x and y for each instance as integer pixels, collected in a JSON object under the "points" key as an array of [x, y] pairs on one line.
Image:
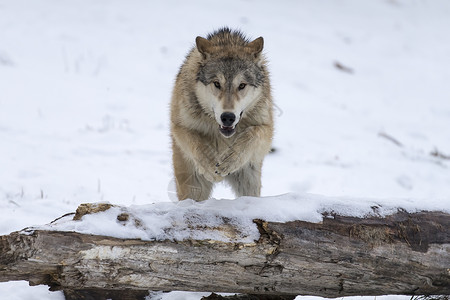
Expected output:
{"points": [[405, 253]]}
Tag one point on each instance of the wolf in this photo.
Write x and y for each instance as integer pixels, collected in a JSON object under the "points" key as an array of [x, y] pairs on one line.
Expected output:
{"points": [[221, 116]]}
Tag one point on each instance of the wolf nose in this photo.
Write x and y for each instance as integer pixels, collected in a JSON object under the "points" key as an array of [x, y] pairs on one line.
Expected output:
{"points": [[227, 118]]}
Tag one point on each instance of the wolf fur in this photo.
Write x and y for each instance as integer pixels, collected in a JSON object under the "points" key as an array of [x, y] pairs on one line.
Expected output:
{"points": [[221, 116]]}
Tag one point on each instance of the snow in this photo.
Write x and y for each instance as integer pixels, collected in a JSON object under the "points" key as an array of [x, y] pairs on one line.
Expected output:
{"points": [[85, 86], [181, 220]]}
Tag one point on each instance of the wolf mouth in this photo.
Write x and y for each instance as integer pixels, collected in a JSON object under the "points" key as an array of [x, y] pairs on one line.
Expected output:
{"points": [[227, 131]]}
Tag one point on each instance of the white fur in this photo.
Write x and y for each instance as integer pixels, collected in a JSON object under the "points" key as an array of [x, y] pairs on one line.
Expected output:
{"points": [[209, 98]]}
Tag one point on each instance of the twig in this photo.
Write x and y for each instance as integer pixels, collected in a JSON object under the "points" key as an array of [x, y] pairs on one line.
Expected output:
{"points": [[438, 154], [390, 138], [343, 68]]}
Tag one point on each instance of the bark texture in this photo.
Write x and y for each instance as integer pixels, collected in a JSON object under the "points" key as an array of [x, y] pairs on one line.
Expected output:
{"points": [[406, 254]]}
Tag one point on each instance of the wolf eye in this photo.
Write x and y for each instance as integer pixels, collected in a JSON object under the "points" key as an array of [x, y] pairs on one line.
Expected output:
{"points": [[217, 84], [242, 86]]}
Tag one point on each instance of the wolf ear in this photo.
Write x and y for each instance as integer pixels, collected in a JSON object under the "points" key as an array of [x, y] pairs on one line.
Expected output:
{"points": [[256, 46], [203, 46]]}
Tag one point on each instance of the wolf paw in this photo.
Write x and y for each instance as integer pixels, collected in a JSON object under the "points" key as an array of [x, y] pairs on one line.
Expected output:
{"points": [[228, 164], [211, 176]]}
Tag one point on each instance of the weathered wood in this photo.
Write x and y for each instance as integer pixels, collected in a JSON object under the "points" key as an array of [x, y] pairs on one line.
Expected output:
{"points": [[404, 253]]}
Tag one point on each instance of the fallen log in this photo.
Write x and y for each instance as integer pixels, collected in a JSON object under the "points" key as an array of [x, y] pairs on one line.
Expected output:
{"points": [[402, 253]]}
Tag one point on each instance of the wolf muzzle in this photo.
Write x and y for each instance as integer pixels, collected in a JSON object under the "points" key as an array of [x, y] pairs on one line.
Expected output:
{"points": [[227, 129], [228, 119]]}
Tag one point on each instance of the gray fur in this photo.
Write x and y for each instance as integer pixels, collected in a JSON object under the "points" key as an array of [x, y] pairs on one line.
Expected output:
{"points": [[229, 67], [202, 153]]}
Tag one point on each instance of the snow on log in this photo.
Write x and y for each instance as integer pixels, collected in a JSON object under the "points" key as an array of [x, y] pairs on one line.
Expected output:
{"points": [[286, 245]]}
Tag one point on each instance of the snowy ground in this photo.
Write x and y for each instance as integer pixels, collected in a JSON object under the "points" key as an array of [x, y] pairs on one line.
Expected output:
{"points": [[85, 87]]}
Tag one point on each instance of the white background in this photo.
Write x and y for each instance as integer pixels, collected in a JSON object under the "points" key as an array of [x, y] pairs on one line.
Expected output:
{"points": [[85, 89]]}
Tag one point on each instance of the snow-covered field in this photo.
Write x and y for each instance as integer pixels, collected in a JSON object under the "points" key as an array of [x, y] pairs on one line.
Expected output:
{"points": [[85, 88]]}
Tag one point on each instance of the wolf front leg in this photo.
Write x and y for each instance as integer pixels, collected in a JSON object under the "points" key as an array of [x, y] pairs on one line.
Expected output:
{"points": [[190, 184], [198, 149], [246, 181], [249, 147], [193, 160]]}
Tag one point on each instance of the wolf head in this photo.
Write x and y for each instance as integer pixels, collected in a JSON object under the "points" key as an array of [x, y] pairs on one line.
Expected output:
{"points": [[230, 76]]}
